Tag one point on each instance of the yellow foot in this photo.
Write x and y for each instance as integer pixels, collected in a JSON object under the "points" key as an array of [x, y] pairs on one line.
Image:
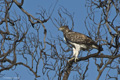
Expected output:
{"points": [[70, 59], [76, 59]]}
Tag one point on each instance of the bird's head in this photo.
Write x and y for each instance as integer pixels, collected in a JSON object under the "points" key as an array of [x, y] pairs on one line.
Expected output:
{"points": [[64, 28]]}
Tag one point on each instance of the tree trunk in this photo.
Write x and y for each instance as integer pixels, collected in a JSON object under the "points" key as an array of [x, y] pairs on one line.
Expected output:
{"points": [[68, 70]]}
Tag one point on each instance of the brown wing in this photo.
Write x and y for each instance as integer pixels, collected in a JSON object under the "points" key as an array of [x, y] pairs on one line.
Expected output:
{"points": [[79, 38]]}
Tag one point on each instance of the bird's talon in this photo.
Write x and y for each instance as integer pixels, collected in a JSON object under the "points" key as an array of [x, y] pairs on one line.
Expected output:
{"points": [[76, 59], [70, 59]]}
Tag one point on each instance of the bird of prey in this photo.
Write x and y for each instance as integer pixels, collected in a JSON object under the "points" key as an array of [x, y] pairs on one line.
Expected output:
{"points": [[78, 41]]}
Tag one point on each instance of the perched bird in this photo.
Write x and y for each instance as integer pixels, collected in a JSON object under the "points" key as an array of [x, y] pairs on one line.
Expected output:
{"points": [[78, 41]]}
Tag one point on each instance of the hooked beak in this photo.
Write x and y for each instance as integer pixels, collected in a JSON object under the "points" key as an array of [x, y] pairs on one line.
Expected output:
{"points": [[60, 29]]}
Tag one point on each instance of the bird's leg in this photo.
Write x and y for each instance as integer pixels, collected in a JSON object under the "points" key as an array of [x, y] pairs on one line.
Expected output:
{"points": [[74, 53], [77, 49], [76, 57]]}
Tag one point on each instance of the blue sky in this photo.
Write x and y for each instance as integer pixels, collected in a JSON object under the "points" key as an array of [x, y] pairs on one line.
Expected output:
{"points": [[76, 7]]}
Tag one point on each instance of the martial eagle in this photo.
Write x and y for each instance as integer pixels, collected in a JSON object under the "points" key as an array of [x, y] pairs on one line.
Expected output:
{"points": [[78, 41]]}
